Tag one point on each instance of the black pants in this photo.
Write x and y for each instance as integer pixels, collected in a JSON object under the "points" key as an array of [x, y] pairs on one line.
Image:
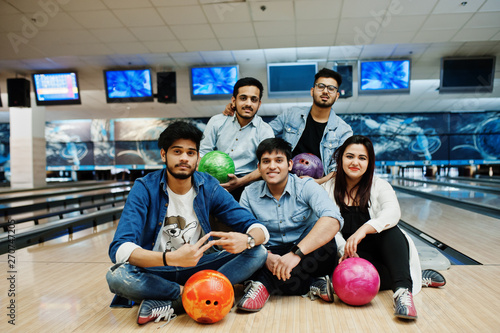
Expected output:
{"points": [[388, 251], [318, 263]]}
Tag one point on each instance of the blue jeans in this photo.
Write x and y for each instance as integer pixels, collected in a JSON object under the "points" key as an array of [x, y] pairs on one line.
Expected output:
{"points": [[163, 282]]}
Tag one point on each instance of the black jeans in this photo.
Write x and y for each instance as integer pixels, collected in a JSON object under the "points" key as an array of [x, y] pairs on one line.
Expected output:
{"points": [[388, 251], [318, 263]]}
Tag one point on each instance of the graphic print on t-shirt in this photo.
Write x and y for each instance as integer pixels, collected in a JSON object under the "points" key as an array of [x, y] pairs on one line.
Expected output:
{"points": [[178, 232]]}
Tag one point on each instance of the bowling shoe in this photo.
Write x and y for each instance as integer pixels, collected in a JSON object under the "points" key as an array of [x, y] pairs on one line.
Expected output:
{"points": [[403, 304], [432, 278], [322, 287], [155, 310], [256, 296]]}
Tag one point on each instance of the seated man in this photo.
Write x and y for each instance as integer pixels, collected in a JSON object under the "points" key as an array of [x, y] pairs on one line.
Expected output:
{"points": [[314, 129], [239, 135], [164, 234], [302, 222]]}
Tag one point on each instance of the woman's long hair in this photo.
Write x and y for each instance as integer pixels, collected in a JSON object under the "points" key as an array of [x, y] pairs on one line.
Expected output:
{"points": [[363, 187]]}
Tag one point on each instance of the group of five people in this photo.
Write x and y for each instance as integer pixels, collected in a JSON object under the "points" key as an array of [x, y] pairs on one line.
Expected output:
{"points": [[286, 234]]}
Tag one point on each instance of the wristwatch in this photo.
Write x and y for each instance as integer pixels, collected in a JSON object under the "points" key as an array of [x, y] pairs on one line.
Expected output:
{"points": [[250, 242], [296, 250]]}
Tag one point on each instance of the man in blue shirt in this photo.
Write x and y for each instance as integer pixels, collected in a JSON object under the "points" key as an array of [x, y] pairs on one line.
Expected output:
{"points": [[164, 234], [239, 135], [316, 129], [302, 222]]}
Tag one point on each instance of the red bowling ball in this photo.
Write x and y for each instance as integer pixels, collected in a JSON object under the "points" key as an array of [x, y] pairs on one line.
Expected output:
{"points": [[356, 281]]}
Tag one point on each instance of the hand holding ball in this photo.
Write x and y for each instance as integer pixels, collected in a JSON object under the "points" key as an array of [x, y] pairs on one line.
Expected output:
{"points": [[356, 281], [218, 164]]}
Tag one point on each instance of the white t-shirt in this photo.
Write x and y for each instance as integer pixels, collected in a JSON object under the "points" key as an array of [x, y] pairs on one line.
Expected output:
{"points": [[180, 225]]}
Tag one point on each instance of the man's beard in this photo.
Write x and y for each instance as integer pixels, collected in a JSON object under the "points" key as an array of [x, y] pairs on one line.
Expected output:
{"points": [[318, 102], [179, 175]]}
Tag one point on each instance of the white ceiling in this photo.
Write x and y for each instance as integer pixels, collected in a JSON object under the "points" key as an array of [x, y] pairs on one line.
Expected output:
{"points": [[173, 35]]}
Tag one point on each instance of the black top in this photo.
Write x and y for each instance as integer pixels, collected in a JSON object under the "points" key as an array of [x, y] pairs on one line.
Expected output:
{"points": [[311, 138], [353, 219]]}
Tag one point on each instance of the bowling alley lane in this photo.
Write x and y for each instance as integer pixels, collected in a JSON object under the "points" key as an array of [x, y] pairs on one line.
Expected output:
{"points": [[473, 234], [480, 197]]}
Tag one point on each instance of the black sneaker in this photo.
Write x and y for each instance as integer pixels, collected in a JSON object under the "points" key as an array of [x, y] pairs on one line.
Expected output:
{"points": [[155, 310], [432, 278], [322, 287]]}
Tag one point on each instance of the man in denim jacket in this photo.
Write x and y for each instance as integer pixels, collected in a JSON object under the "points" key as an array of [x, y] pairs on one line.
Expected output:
{"points": [[316, 129], [164, 235]]}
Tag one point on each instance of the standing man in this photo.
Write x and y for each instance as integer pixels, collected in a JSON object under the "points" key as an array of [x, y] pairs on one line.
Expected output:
{"points": [[302, 222], [239, 135], [316, 129], [164, 234]]}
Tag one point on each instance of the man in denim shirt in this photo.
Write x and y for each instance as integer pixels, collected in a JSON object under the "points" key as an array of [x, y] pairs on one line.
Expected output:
{"points": [[164, 235], [239, 135], [316, 129], [302, 222]]}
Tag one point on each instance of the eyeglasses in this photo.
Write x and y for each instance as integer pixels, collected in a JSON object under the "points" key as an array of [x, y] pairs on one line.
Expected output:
{"points": [[322, 86]]}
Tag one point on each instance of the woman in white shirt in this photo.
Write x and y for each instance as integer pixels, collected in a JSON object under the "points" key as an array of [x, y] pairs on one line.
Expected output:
{"points": [[371, 212]]}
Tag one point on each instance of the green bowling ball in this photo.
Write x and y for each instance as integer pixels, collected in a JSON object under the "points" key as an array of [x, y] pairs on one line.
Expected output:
{"points": [[218, 164]]}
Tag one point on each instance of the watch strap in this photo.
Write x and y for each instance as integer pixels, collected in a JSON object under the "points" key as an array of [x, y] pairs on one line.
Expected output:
{"points": [[296, 250], [250, 242]]}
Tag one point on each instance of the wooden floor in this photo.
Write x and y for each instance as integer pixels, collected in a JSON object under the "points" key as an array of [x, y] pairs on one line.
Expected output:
{"points": [[475, 235], [61, 287]]}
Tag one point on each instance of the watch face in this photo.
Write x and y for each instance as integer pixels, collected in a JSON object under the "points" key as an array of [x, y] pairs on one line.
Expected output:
{"points": [[251, 242]]}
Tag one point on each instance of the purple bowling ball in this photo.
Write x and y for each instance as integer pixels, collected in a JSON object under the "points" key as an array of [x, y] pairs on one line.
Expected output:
{"points": [[307, 164]]}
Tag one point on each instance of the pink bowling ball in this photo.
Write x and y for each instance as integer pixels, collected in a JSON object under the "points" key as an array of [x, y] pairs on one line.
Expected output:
{"points": [[356, 281]]}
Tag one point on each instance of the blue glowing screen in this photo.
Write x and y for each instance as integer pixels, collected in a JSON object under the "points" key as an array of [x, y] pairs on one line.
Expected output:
{"points": [[213, 80], [56, 86], [385, 75], [132, 83]]}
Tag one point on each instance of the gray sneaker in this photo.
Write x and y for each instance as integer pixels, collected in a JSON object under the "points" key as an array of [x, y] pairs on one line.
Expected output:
{"points": [[155, 310], [322, 287], [432, 278], [403, 304]]}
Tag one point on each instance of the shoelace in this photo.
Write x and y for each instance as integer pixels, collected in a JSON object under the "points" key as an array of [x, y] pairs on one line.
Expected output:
{"points": [[253, 291], [426, 282], [313, 293], [164, 312], [404, 298]]}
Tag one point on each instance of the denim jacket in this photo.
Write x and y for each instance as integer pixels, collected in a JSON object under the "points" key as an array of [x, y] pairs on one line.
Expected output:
{"points": [[290, 124], [146, 207]]}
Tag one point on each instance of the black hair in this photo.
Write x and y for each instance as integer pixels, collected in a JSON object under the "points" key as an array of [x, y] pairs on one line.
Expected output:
{"points": [[248, 81], [325, 72], [274, 145], [179, 130], [364, 185]]}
